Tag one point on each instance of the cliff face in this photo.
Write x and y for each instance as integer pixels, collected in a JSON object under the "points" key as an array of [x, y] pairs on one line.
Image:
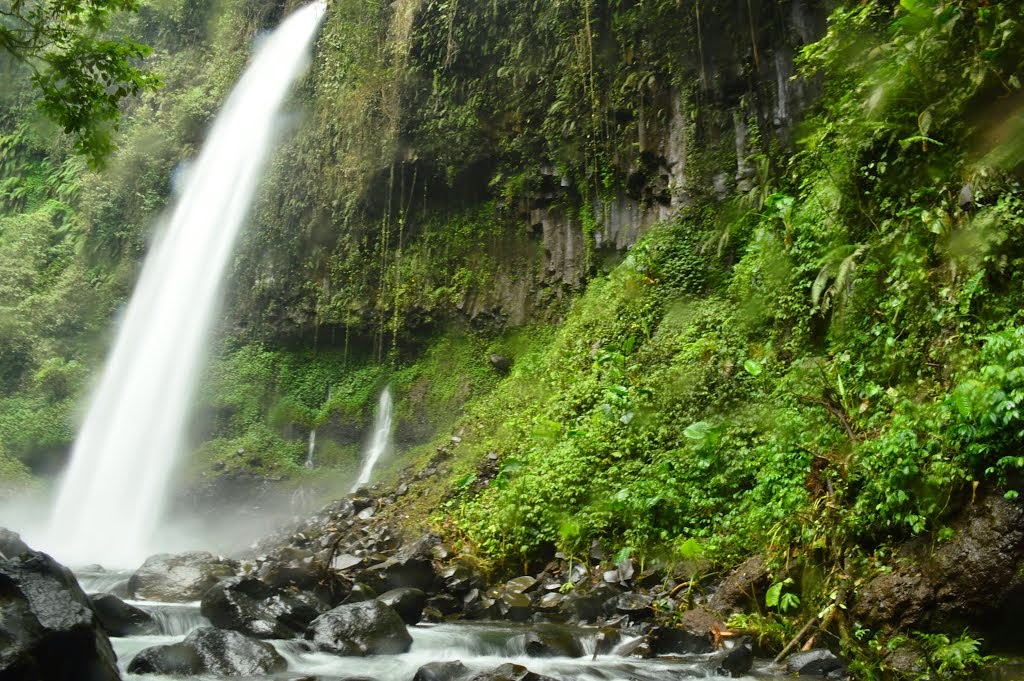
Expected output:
{"points": [[481, 162]]}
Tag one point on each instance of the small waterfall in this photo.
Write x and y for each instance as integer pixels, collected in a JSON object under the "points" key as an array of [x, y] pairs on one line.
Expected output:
{"points": [[310, 447], [312, 435], [174, 619], [381, 438], [113, 490]]}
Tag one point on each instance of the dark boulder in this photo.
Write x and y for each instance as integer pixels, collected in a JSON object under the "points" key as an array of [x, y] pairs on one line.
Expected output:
{"points": [[360, 592], [637, 606], [545, 642], [303, 571], [819, 662], [582, 607], [367, 628], [510, 672], [48, 630], [442, 671], [446, 604], [676, 641], [210, 651], [252, 607], [11, 545], [398, 573], [738, 661], [741, 589], [975, 579], [514, 606], [179, 578], [521, 585], [407, 602], [121, 619], [500, 363]]}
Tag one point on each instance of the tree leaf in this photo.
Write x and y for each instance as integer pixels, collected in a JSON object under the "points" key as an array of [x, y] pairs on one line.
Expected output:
{"points": [[771, 598], [698, 431]]}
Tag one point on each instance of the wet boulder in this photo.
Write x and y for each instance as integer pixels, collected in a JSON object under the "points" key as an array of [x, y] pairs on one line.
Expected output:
{"points": [[210, 651], [367, 628], [48, 629], [407, 602], [521, 585], [552, 642], [510, 672], [11, 545], [582, 607], [442, 671], [297, 569], [121, 619], [740, 590], [679, 641], [247, 605], [446, 604], [179, 578], [514, 606], [361, 592], [399, 573], [820, 662], [738, 661], [637, 606], [550, 602], [975, 579]]}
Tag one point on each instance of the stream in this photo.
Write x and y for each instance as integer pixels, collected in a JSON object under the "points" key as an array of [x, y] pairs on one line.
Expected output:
{"points": [[479, 646]]}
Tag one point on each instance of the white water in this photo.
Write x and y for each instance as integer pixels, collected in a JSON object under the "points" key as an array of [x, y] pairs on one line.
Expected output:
{"points": [[310, 448], [381, 438], [479, 646], [113, 490]]}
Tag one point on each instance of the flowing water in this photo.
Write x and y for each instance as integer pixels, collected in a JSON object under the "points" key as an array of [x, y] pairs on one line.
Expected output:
{"points": [[380, 441], [480, 647], [113, 490], [310, 448]]}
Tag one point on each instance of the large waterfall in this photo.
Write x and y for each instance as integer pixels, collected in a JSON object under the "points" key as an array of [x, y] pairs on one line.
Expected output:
{"points": [[113, 490], [380, 440]]}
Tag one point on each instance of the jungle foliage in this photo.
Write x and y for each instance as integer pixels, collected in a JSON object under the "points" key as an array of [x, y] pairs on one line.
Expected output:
{"points": [[819, 354]]}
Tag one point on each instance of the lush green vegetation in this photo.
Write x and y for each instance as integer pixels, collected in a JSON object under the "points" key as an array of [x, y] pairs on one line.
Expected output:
{"points": [[818, 355], [81, 72]]}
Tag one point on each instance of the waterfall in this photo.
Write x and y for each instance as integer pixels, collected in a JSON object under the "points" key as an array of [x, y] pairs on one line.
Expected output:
{"points": [[310, 447], [381, 438], [112, 493]]}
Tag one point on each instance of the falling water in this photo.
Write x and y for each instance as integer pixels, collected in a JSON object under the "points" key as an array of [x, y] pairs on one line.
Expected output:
{"points": [[381, 438], [310, 448], [112, 493]]}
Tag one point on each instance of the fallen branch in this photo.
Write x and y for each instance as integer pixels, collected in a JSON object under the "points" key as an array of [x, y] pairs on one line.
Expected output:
{"points": [[796, 640]]}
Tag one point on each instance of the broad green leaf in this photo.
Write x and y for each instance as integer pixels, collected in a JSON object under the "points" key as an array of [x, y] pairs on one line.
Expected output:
{"points": [[698, 431]]}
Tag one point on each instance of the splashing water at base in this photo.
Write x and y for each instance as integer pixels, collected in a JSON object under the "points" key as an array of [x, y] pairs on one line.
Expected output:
{"points": [[380, 441], [113, 491]]}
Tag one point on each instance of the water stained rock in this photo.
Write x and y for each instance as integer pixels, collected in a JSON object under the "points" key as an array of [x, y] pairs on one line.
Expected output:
{"points": [[976, 578], [121, 619], [407, 602], [250, 606], [210, 651], [48, 629], [442, 671], [367, 628], [179, 578], [510, 672]]}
